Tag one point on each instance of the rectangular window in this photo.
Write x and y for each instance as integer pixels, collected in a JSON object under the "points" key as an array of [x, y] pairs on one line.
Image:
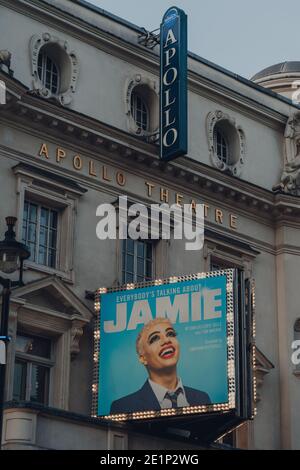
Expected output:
{"points": [[19, 392], [40, 229], [32, 369], [137, 261]]}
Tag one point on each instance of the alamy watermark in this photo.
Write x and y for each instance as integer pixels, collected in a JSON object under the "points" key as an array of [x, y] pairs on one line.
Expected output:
{"points": [[154, 222], [2, 92], [296, 354]]}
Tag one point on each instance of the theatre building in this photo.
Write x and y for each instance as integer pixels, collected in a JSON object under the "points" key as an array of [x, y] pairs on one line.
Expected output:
{"points": [[78, 129]]}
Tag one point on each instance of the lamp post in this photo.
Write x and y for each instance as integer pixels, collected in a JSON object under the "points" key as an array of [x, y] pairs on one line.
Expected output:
{"points": [[12, 255]]}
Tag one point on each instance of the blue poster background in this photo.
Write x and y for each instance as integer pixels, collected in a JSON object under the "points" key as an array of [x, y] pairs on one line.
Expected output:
{"points": [[203, 345]]}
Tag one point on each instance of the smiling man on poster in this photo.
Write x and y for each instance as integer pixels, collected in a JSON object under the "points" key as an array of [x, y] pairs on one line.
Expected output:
{"points": [[158, 350]]}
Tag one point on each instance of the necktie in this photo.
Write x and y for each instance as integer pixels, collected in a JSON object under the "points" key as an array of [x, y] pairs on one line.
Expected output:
{"points": [[173, 396]]}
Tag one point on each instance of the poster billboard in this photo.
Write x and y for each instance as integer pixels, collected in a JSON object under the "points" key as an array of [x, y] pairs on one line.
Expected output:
{"points": [[173, 84], [165, 338]]}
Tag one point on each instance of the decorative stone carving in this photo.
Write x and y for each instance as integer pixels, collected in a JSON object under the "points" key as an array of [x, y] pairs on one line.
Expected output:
{"points": [[5, 59], [66, 61], [76, 333], [236, 138], [290, 179]]}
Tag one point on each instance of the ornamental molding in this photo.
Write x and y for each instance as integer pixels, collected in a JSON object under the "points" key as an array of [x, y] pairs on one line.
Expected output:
{"points": [[69, 67], [236, 152]]}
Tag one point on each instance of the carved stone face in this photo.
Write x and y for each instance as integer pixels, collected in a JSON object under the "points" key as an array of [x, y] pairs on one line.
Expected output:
{"points": [[159, 347]]}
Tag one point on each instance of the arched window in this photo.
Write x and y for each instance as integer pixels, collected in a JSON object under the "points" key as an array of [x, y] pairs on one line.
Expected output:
{"points": [[48, 72], [221, 147], [55, 68], [139, 111]]}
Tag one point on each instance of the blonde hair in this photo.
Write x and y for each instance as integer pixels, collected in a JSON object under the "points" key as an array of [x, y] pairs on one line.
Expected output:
{"points": [[147, 327]]}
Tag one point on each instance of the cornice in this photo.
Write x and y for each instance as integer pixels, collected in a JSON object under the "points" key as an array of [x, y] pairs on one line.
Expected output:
{"points": [[118, 147], [232, 99]]}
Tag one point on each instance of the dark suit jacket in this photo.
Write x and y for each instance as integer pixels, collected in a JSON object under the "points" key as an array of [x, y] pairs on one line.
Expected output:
{"points": [[145, 399]]}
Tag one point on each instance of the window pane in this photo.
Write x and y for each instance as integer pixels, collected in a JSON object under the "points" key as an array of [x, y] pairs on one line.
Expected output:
{"points": [[129, 246], [42, 255], [52, 239], [52, 258], [139, 111], [34, 345], [39, 384], [138, 261], [128, 277], [149, 269], [140, 266], [19, 391], [123, 259], [48, 72], [220, 145], [48, 63], [32, 232], [40, 65], [46, 219], [24, 233], [149, 250], [31, 247], [25, 214], [54, 82], [215, 267], [43, 236]]}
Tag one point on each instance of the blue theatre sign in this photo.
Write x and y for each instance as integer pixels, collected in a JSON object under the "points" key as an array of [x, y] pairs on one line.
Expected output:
{"points": [[173, 84]]}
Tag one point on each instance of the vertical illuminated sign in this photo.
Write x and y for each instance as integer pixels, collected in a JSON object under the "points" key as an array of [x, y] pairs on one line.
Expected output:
{"points": [[173, 84]]}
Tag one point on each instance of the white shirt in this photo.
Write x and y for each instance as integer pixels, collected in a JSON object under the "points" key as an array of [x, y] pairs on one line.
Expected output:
{"points": [[160, 393]]}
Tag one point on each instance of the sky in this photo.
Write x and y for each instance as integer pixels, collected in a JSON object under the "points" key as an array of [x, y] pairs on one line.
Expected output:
{"points": [[243, 36]]}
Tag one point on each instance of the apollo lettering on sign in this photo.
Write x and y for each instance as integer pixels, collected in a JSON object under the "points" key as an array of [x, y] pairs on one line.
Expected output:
{"points": [[173, 84]]}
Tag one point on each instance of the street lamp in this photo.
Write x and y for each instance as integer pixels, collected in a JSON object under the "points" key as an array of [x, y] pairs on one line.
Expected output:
{"points": [[12, 255]]}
